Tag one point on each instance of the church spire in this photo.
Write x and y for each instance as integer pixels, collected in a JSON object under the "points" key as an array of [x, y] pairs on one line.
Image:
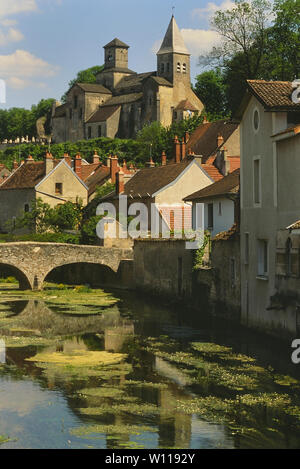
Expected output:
{"points": [[173, 41]]}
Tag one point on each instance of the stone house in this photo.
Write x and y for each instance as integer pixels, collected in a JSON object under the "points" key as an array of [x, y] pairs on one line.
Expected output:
{"points": [[53, 181], [166, 187], [122, 101], [4, 173], [270, 199], [221, 203]]}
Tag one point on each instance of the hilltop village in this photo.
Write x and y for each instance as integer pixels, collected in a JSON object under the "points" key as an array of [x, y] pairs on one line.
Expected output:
{"points": [[242, 173]]}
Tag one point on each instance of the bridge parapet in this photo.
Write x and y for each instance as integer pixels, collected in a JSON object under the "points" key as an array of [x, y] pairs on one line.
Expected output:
{"points": [[32, 262]]}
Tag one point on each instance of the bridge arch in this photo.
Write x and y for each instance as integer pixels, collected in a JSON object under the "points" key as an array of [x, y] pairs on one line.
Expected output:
{"points": [[20, 275], [78, 273]]}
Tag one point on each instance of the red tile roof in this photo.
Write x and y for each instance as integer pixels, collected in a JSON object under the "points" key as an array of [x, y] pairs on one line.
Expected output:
{"points": [[229, 184], [274, 95], [26, 176], [204, 140], [101, 174], [226, 235]]}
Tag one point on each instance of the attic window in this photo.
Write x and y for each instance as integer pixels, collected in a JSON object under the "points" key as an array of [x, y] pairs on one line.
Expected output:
{"points": [[58, 188]]}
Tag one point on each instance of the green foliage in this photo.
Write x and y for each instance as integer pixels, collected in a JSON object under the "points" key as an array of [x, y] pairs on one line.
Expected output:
{"points": [[42, 218], [155, 138], [210, 88], [199, 254], [252, 48], [42, 238], [84, 76], [19, 122]]}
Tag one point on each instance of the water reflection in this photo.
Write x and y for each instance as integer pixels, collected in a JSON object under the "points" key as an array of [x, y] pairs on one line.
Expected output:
{"points": [[141, 401]]}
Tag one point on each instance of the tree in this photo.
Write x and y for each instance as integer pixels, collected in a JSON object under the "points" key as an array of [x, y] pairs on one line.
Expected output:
{"points": [[67, 216], [281, 59], [241, 28], [39, 218], [210, 88], [84, 76]]}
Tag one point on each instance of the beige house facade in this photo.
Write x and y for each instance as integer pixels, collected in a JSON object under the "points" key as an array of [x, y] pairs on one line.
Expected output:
{"points": [[270, 199], [52, 181]]}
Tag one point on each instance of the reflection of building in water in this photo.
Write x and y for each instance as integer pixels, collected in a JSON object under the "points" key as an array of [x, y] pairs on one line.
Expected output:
{"points": [[2, 352], [115, 337], [174, 427]]}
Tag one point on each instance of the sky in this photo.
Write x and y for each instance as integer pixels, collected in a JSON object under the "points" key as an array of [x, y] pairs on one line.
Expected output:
{"points": [[44, 43]]}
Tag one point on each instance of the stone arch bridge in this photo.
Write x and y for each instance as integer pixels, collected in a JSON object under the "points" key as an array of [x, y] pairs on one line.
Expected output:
{"points": [[31, 262]]}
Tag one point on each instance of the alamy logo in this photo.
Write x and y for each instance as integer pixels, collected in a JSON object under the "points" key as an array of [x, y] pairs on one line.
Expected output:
{"points": [[296, 92], [157, 221], [2, 92]]}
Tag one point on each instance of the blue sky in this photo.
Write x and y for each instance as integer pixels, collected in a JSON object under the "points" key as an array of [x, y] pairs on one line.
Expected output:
{"points": [[44, 43]]}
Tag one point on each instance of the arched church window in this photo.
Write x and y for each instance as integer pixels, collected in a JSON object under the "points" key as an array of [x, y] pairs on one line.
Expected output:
{"points": [[178, 67], [184, 68]]}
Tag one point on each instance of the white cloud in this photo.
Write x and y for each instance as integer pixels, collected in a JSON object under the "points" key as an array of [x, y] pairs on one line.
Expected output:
{"points": [[211, 8], [21, 69], [13, 7], [10, 35], [200, 41]]}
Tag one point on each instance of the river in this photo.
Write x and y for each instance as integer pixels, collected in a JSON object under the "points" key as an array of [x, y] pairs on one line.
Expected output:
{"points": [[106, 369]]}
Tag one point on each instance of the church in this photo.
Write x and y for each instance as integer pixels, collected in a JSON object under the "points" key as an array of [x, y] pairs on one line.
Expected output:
{"points": [[122, 101]]}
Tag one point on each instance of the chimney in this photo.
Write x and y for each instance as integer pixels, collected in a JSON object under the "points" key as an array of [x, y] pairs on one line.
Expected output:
{"points": [[48, 162], [177, 148], [186, 137], [220, 140], [78, 166], [183, 150], [108, 161], [68, 159], [205, 120], [114, 168], [226, 162], [29, 159], [120, 186], [163, 159], [150, 164], [15, 165], [125, 166], [96, 158]]}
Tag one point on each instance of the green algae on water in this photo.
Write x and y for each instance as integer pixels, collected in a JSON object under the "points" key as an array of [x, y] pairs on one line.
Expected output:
{"points": [[79, 358]]}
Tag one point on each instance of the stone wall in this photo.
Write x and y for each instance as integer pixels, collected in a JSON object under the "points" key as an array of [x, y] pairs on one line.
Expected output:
{"points": [[163, 267]]}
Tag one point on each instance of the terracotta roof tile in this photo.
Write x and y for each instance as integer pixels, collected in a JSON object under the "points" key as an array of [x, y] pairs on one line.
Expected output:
{"points": [[226, 235], [274, 95], [229, 184], [149, 180], [203, 140], [101, 174], [185, 105], [26, 176]]}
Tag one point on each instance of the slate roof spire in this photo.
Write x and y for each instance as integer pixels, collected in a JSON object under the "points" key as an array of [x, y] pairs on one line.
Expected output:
{"points": [[173, 41]]}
